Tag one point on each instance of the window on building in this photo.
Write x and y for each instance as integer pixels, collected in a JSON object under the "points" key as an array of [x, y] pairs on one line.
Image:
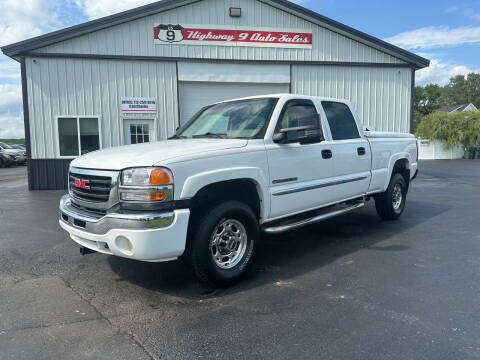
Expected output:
{"points": [[341, 121], [73, 142]]}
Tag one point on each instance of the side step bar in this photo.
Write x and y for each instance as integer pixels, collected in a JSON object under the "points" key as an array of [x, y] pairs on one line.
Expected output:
{"points": [[304, 222]]}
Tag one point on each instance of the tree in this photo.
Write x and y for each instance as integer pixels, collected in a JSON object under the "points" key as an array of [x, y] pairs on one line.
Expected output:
{"points": [[456, 129], [427, 98]]}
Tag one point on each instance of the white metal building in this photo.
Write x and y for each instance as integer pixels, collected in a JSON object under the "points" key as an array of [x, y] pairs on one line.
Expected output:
{"points": [[137, 75]]}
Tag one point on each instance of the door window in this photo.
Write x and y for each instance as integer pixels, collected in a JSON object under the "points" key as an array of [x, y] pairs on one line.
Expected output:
{"points": [[297, 113], [341, 121], [138, 131]]}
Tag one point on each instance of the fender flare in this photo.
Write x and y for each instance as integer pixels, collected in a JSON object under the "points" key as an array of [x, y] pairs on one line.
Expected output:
{"points": [[195, 183], [391, 164]]}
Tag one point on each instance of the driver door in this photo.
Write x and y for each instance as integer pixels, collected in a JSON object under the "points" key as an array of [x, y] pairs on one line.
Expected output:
{"points": [[298, 173]]}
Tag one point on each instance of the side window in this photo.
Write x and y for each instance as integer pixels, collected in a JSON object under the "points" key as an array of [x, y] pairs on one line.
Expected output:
{"points": [[78, 135], [341, 121], [298, 113]]}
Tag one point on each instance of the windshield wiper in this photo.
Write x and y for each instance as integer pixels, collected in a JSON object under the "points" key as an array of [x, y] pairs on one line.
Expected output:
{"points": [[175, 136], [211, 134]]}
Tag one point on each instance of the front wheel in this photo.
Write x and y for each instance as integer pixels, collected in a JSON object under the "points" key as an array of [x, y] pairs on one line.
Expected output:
{"points": [[224, 243], [390, 204]]}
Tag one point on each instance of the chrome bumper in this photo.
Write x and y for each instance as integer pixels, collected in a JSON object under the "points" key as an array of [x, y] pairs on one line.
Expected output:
{"points": [[102, 224]]}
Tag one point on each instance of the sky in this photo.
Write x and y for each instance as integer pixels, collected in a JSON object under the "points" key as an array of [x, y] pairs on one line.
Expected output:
{"points": [[446, 32]]}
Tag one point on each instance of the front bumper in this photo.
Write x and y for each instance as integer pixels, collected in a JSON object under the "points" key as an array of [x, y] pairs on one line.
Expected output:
{"points": [[142, 236]]}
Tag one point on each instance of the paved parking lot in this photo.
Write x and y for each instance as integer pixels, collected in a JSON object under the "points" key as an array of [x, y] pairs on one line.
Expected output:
{"points": [[353, 287]]}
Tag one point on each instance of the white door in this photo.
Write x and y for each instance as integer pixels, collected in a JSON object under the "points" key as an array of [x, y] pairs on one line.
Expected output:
{"points": [[138, 131], [350, 152], [195, 95], [300, 175]]}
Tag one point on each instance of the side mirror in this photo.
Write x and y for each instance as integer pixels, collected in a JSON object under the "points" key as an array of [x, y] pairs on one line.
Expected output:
{"points": [[308, 134]]}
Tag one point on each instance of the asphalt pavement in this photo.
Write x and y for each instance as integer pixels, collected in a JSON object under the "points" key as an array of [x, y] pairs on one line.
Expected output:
{"points": [[353, 287]]}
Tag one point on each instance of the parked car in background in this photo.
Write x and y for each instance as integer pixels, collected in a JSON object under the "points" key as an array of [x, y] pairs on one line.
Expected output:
{"points": [[268, 164], [7, 159], [18, 147], [20, 155]]}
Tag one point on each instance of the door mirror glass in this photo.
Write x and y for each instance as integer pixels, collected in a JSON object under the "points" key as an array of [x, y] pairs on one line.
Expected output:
{"points": [[307, 132]]}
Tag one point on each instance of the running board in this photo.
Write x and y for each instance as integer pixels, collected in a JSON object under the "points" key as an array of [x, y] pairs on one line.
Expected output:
{"points": [[286, 227]]}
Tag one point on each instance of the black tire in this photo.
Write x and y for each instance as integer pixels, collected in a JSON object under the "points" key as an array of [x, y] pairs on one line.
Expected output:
{"points": [[384, 202], [1, 163], [202, 251]]}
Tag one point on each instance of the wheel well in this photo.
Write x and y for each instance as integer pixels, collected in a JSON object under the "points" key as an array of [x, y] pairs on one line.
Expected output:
{"points": [[244, 190], [401, 167]]}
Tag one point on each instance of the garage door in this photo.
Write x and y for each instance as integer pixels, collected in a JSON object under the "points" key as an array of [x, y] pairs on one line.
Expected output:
{"points": [[195, 95]]}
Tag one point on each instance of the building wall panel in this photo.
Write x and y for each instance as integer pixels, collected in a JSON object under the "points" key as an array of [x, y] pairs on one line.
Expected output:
{"points": [[380, 95], [136, 37], [86, 87]]}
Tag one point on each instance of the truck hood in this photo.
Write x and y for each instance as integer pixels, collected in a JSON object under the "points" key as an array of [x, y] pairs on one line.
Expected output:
{"points": [[153, 153]]}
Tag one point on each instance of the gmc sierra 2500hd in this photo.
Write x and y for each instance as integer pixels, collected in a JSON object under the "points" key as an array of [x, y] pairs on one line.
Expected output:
{"points": [[238, 168]]}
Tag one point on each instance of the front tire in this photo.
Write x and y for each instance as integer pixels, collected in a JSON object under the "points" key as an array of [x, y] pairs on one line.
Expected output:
{"points": [[224, 243], [390, 204]]}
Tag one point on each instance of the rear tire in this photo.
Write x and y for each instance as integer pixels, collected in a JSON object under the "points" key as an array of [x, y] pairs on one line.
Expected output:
{"points": [[390, 204], [224, 243]]}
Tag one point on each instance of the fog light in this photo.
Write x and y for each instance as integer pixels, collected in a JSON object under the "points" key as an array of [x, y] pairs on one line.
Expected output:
{"points": [[158, 196], [124, 245]]}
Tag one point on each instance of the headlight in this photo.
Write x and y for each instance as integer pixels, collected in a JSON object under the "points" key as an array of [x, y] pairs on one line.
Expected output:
{"points": [[146, 184]]}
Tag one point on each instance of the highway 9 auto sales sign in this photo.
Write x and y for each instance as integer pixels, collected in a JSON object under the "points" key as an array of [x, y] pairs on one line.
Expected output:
{"points": [[232, 36]]}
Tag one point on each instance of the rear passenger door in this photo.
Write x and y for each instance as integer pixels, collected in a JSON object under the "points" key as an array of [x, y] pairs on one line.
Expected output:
{"points": [[350, 152]]}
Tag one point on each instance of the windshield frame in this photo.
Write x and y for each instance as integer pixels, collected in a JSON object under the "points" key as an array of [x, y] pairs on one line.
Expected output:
{"points": [[259, 135]]}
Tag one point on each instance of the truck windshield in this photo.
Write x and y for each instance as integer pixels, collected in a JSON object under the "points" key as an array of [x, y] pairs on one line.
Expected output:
{"points": [[233, 119]]}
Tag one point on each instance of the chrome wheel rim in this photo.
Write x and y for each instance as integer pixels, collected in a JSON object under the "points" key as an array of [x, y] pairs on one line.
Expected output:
{"points": [[228, 243], [397, 197]]}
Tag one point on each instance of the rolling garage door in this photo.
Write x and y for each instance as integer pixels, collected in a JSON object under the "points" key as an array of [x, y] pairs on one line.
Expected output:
{"points": [[195, 95]]}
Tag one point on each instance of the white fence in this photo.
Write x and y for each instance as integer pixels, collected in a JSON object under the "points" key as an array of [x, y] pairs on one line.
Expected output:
{"points": [[434, 150]]}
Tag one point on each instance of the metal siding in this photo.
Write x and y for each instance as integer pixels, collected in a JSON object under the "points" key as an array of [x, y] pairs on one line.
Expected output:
{"points": [[381, 96], [49, 174], [87, 87], [136, 37]]}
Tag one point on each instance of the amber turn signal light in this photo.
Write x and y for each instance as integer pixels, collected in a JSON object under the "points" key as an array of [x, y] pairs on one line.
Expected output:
{"points": [[159, 177], [158, 196]]}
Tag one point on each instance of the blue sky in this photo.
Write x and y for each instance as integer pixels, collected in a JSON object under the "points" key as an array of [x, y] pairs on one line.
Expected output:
{"points": [[446, 32]]}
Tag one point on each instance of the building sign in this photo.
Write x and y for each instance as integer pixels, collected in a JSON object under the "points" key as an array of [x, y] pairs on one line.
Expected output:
{"points": [[232, 36], [138, 106]]}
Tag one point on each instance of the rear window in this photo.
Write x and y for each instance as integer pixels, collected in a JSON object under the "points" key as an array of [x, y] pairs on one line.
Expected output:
{"points": [[341, 121]]}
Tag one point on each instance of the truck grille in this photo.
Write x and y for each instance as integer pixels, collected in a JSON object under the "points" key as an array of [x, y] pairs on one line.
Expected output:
{"points": [[93, 188]]}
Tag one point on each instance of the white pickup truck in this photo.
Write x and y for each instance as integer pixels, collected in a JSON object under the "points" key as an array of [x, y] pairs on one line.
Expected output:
{"points": [[238, 168]]}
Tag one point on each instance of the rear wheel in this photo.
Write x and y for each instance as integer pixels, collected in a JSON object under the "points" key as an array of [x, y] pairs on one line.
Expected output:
{"points": [[390, 204], [224, 243]]}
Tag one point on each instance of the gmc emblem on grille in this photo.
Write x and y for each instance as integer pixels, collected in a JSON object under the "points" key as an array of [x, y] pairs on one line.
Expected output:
{"points": [[82, 184]]}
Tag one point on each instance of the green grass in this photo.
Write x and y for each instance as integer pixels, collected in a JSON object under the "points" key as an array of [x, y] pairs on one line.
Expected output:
{"points": [[13, 141]]}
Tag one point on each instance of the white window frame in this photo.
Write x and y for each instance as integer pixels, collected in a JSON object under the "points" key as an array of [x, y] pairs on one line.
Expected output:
{"points": [[140, 118], [77, 117]]}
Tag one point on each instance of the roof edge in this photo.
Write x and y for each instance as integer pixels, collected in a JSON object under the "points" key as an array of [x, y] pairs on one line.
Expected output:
{"points": [[36, 42], [418, 60], [15, 49]]}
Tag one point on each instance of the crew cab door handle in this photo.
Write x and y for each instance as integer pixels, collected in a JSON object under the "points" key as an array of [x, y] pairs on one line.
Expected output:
{"points": [[361, 151], [326, 154]]}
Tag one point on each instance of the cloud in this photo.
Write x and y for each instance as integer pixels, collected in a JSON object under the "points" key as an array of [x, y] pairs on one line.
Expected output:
{"points": [[10, 98], [11, 117], [98, 8], [436, 36], [11, 127], [24, 19], [440, 72]]}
